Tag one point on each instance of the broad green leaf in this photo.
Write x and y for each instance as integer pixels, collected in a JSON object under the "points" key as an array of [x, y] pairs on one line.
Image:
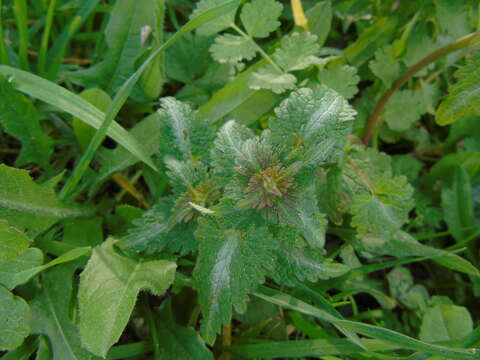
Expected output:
{"points": [[313, 116], [343, 79], [101, 100], [319, 19], [108, 290], [10, 271], [260, 17], [153, 232], [179, 342], [297, 51], [68, 102], [453, 17], [44, 352], [21, 119], [122, 36], [28, 205], [228, 147], [385, 66], [457, 204], [231, 263], [463, 97], [230, 48], [13, 242], [304, 215], [445, 322], [217, 25], [384, 208], [51, 314], [184, 134], [15, 317], [370, 39], [268, 77]]}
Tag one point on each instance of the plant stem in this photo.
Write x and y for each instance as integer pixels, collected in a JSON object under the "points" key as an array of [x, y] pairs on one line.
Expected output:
{"points": [[20, 9], [42, 55], [375, 118], [259, 49]]}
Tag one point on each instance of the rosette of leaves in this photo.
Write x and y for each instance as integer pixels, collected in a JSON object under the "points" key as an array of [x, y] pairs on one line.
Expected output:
{"points": [[259, 19], [246, 201]]}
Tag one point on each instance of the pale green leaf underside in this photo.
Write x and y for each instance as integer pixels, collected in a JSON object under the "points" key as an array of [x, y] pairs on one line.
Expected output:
{"points": [[268, 77], [108, 290], [230, 48]]}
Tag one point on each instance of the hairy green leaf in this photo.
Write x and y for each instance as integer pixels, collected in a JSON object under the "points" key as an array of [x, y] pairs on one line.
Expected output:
{"points": [[231, 263], [313, 116], [108, 290]]}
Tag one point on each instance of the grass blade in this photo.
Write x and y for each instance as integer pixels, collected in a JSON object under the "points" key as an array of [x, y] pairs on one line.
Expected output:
{"points": [[59, 47], [21, 16], [65, 100], [42, 54], [393, 337], [3, 50], [124, 92]]}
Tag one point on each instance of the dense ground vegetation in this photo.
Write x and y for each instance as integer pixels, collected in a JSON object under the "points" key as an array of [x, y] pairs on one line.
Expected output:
{"points": [[227, 179]]}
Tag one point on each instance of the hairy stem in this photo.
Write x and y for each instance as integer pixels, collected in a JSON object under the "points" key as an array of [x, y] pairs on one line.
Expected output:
{"points": [[375, 118]]}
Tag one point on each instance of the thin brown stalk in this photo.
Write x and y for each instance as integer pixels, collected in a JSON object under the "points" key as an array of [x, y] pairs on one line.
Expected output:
{"points": [[376, 119]]}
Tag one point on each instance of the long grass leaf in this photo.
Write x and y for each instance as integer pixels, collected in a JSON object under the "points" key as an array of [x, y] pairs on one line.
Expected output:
{"points": [[67, 101]]}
